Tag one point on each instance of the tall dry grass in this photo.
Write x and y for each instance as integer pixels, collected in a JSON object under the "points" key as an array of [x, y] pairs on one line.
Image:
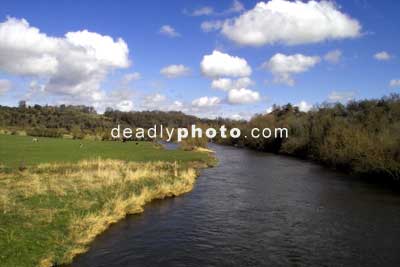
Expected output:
{"points": [[79, 201]]}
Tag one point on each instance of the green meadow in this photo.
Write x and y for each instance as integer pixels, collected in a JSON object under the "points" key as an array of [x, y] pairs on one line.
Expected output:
{"points": [[57, 195], [16, 151]]}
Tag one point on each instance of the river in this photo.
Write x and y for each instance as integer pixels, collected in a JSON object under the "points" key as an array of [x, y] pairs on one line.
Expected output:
{"points": [[259, 209]]}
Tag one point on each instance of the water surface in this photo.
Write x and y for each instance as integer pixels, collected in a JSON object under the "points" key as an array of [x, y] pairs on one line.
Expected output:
{"points": [[258, 209]]}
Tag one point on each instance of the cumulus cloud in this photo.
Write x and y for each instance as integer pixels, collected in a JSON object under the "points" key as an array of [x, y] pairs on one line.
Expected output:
{"points": [[291, 23], [153, 101], [125, 105], [394, 83], [220, 64], [236, 7], [211, 25], [203, 107], [121, 99], [175, 71], [224, 84], [304, 106], [333, 56], [206, 101], [103, 48], [5, 86], [243, 96], [73, 66], [26, 51], [382, 56], [343, 96], [176, 105], [35, 90], [284, 66], [169, 31], [214, 25], [157, 101], [157, 98], [227, 84]]}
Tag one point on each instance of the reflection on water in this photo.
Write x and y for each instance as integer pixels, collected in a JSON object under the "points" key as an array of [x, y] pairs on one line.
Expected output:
{"points": [[258, 209]]}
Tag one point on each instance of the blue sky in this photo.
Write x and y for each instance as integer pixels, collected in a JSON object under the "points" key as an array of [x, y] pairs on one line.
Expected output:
{"points": [[363, 63]]}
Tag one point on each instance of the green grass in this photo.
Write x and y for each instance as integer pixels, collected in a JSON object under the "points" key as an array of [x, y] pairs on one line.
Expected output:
{"points": [[21, 150], [53, 208]]}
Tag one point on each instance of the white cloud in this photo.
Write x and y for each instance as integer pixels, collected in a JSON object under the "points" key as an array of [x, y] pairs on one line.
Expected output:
{"points": [[214, 25], [203, 107], [5, 86], [243, 96], [382, 56], [394, 83], [284, 66], [290, 22], [236, 7], [206, 101], [169, 31], [26, 51], [176, 105], [304, 106], [73, 66], [154, 101], [227, 84], [157, 98], [241, 115], [159, 101], [125, 105], [343, 96], [175, 71], [243, 82], [236, 117], [134, 76], [220, 64], [35, 90], [203, 11], [211, 25], [269, 110], [35, 86], [224, 84], [333, 56], [100, 47], [121, 99]]}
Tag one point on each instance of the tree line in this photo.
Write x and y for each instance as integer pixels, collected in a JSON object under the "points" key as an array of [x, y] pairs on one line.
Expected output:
{"points": [[361, 136]]}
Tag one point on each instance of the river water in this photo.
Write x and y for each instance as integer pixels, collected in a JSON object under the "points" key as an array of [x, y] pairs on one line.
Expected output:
{"points": [[258, 209]]}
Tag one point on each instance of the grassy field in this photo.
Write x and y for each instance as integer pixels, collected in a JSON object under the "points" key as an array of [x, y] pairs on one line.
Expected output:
{"points": [[21, 150], [66, 195]]}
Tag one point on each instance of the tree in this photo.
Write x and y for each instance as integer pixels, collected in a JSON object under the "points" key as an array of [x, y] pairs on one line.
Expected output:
{"points": [[22, 104]]}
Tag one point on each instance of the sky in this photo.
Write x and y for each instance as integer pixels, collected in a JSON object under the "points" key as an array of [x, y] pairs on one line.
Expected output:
{"points": [[207, 58]]}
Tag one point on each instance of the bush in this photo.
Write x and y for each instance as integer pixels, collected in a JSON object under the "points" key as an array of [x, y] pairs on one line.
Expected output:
{"points": [[44, 132]]}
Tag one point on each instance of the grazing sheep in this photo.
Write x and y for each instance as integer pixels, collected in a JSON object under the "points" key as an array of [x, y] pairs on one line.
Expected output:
{"points": [[35, 140]]}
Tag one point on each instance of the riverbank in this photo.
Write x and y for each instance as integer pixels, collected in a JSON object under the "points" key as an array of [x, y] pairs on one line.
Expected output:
{"points": [[259, 209], [51, 211], [361, 137]]}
